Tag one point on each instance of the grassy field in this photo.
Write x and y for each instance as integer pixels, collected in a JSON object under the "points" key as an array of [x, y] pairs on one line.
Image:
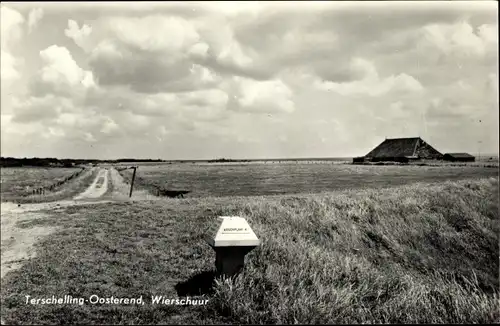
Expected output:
{"points": [[419, 253], [291, 178], [20, 181], [16, 179]]}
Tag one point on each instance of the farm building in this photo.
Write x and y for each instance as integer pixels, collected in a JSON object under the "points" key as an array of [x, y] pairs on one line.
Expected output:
{"points": [[400, 150], [459, 157]]}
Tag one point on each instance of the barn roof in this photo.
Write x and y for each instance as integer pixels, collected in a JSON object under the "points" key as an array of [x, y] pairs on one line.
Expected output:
{"points": [[395, 147], [459, 155], [414, 147]]}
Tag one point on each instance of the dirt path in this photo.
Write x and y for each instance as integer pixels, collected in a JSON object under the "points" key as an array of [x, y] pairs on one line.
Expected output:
{"points": [[98, 188], [17, 241]]}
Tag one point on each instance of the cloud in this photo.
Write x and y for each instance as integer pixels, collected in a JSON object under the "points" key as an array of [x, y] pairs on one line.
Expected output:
{"points": [[40, 109], [171, 34], [11, 32], [252, 96], [34, 18], [78, 35], [60, 74], [109, 126], [204, 105], [326, 35], [259, 46], [59, 119], [11, 26], [10, 66], [61, 68], [369, 82], [460, 39], [126, 51]]}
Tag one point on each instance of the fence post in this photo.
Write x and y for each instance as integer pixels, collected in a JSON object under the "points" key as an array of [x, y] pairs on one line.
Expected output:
{"points": [[132, 183]]}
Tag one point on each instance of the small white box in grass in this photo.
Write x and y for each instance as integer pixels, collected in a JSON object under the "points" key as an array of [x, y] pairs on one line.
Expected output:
{"points": [[232, 238]]}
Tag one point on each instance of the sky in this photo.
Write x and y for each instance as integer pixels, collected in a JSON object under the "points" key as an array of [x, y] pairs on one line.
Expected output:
{"points": [[205, 80]]}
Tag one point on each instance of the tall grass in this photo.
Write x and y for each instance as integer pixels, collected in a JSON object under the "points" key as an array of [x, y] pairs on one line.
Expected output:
{"points": [[418, 254]]}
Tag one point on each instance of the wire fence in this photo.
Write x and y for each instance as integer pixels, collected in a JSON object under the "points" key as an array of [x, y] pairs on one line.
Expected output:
{"points": [[42, 191]]}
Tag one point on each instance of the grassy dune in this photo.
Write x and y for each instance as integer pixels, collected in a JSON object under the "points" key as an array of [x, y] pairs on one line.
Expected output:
{"points": [[409, 254]]}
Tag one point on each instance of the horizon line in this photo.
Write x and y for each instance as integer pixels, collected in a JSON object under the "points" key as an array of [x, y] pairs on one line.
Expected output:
{"points": [[179, 159], [220, 158]]}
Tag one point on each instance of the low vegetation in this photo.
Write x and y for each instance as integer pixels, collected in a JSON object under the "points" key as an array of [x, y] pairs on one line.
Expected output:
{"points": [[491, 164], [67, 190], [226, 160], [289, 178], [417, 253], [17, 182], [55, 162], [151, 186]]}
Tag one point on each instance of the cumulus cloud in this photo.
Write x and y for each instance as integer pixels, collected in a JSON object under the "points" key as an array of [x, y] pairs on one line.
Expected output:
{"points": [[11, 31], [460, 38], [370, 82], [223, 52], [252, 96], [11, 25], [79, 35], [171, 34], [34, 18], [60, 73], [151, 54], [61, 68], [260, 46], [10, 66]]}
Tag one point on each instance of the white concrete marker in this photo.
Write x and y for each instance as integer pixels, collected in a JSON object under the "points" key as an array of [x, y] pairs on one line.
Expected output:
{"points": [[232, 238], [231, 231]]}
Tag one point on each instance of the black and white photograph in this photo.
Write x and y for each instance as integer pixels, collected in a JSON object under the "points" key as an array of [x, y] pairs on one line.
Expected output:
{"points": [[249, 162]]}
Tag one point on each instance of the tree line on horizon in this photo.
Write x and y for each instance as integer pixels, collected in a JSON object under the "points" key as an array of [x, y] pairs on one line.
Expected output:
{"points": [[55, 162]]}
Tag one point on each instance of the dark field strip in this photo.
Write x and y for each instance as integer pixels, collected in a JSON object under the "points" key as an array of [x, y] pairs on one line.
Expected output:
{"points": [[267, 179]]}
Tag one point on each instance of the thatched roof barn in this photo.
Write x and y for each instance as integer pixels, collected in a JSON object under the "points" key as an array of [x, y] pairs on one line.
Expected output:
{"points": [[459, 157], [401, 150]]}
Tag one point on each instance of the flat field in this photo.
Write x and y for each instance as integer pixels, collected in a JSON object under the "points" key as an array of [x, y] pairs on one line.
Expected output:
{"points": [[20, 181], [293, 177]]}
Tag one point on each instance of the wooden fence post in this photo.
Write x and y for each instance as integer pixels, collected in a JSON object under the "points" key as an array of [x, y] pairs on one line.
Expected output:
{"points": [[132, 183]]}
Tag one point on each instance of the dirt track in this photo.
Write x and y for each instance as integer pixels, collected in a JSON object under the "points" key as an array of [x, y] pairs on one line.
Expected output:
{"points": [[98, 188], [17, 242]]}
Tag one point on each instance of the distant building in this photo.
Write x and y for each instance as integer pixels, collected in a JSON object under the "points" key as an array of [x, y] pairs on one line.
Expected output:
{"points": [[459, 157], [401, 150]]}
